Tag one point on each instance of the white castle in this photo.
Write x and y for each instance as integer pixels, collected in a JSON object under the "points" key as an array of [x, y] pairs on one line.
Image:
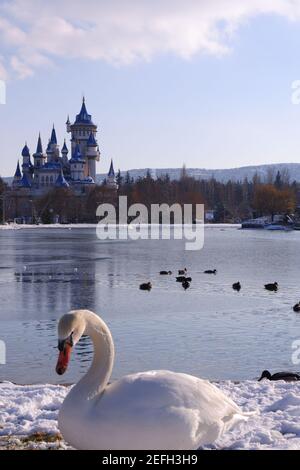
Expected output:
{"points": [[53, 168]]}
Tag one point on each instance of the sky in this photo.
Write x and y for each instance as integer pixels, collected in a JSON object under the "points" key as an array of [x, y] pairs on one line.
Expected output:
{"points": [[207, 83]]}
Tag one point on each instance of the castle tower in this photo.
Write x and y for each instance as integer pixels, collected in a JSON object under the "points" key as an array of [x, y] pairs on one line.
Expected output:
{"points": [[53, 148], [111, 181], [92, 152], [77, 164], [17, 177], [39, 157], [27, 167], [80, 131], [68, 124], [64, 152]]}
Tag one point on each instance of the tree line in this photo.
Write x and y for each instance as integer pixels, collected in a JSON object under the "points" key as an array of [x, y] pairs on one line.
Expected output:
{"points": [[231, 201]]}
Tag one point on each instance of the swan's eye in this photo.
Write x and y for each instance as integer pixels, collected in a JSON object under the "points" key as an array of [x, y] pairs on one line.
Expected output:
{"points": [[62, 342]]}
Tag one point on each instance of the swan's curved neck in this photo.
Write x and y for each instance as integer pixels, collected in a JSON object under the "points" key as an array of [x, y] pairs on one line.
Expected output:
{"points": [[97, 377]]}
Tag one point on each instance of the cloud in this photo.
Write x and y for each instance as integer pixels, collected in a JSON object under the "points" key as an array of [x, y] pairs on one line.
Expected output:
{"points": [[20, 68], [34, 33]]}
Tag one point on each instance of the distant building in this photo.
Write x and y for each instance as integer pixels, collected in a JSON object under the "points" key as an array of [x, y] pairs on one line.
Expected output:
{"points": [[111, 181], [46, 170], [53, 168]]}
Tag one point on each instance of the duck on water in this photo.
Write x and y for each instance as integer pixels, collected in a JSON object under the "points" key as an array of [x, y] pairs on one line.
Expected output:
{"points": [[286, 376], [273, 286]]}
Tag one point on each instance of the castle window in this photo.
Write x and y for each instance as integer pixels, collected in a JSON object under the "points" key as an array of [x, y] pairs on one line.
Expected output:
{"points": [[51, 179], [47, 180]]}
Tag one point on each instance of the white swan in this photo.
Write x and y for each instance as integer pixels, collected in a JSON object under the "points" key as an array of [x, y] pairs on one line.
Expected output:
{"points": [[150, 410]]}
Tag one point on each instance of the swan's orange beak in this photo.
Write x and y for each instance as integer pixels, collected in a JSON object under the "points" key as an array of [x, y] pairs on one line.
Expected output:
{"points": [[63, 358]]}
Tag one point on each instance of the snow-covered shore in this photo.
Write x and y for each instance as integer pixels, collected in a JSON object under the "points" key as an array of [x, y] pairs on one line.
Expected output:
{"points": [[28, 416]]}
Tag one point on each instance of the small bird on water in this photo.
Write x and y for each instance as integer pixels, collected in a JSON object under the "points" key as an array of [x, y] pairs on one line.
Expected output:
{"points": [[236, 286], [185, 284], [287, 376], [210, 271], [182, 271], [272, 286], [296, 307], [146, 286], [164, 273]]}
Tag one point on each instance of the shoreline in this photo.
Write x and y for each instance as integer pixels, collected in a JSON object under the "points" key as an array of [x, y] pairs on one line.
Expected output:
{"points": [[78, 226]]}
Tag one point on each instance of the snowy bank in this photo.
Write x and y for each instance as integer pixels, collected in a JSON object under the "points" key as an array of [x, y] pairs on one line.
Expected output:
{"points": [[28, 416]]}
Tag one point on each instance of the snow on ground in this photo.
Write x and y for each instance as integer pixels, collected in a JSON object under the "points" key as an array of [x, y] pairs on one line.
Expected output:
{"points": [[28, 416], [30, 411]]}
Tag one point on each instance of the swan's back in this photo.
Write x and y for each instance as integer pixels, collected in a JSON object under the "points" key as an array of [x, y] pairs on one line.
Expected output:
{"points": [[154, 410]]}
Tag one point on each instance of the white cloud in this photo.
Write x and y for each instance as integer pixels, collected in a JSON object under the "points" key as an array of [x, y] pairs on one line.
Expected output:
{"points": [[20, 68], [35, 32]]}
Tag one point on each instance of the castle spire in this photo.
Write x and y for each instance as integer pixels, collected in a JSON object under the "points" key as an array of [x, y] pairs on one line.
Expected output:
{"points": [[91, 142], [83, 117], [111, 179], [53, 139], [61, 182], [25, 151], [64, 149], [39, 147], [111, 169], [18, 173]]}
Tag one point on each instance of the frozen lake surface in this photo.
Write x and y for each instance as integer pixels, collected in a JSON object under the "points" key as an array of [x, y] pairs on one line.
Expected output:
{"points": [[209, 330]]}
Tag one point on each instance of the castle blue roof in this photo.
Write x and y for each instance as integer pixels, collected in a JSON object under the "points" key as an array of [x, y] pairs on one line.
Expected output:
{"points": [[91, 142], [18, 173], [39, 147], [25, 151], [61, 182], [83, 117], [24, 183], [65, 148], [77, 157], [111, 169], [53, 139]]}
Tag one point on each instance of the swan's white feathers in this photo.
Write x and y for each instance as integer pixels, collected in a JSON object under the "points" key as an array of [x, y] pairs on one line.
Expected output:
{"points": [[148, 410]]}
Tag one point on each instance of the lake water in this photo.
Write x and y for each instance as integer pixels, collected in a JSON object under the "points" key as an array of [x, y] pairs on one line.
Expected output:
{"points": [[209, 330]]}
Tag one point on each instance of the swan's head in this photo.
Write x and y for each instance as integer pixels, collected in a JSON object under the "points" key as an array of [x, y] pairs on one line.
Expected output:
{"points": [[70, 329]]}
